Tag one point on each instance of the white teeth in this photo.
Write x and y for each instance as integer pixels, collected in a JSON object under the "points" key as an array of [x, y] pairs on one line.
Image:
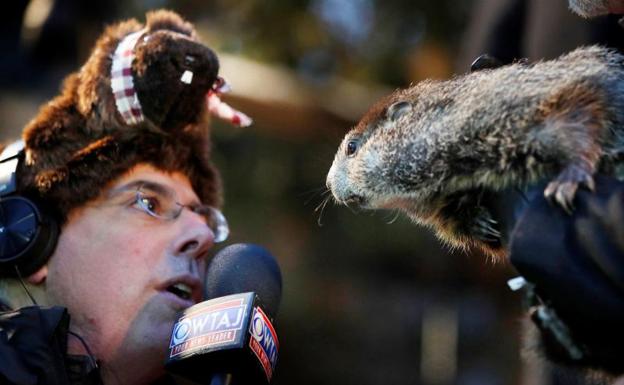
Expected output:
{"points": [[187, 77], [184, 289]]}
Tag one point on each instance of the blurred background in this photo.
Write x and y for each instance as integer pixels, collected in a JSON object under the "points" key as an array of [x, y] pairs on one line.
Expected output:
{"points": [[368, 298]]}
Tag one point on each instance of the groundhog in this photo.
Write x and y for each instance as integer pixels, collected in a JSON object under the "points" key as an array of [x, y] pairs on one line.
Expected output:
{"points": [[437, 149]]}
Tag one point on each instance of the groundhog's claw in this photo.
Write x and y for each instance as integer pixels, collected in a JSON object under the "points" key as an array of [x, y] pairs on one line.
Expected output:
{"points": [[483, 227], [563, 189]]}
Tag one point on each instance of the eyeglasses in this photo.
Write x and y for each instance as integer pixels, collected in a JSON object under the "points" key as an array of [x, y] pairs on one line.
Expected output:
{"points": [[160, 202]]}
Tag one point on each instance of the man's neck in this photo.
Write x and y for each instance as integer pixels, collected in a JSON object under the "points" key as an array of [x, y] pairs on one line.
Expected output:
{"points": [[132, 368]]}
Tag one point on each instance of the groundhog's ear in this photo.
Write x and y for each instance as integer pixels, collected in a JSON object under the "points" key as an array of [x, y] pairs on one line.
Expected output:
{"points": [[485, 62], [168, 20], [396, 110]]}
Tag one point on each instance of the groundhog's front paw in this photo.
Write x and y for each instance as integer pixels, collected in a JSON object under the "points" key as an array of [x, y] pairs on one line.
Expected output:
{"points": [[563, 188], [483, 226]]}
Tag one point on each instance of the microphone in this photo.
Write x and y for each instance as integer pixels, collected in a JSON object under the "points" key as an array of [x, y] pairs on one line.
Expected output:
{"points": [[229, 339]]}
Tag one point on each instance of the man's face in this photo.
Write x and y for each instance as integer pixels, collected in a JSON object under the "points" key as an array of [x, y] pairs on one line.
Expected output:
{"points": [[115, 267]]}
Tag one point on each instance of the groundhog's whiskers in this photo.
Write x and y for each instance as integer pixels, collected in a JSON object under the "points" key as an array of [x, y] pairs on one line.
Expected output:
{"points": [[321, 206], [396, 216], [313, 193], [352, 209]]}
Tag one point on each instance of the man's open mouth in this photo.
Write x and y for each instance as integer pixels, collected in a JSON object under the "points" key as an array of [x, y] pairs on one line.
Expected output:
{"points": [[181, 290]]}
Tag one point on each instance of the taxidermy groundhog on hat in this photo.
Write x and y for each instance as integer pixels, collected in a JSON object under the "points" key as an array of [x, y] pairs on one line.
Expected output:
{"points": [[142, 96]]}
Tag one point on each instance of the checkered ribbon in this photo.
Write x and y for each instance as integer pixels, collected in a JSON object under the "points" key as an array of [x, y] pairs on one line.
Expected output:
{"points": [[126, 98], [222, 110]]}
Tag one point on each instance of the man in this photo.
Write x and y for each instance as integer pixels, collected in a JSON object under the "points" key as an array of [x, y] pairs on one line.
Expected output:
{"points": [[126, 263], [137, 211]]}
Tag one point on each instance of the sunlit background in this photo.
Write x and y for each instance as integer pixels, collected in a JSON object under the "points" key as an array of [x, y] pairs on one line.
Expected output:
{"points": [[368, 298]]}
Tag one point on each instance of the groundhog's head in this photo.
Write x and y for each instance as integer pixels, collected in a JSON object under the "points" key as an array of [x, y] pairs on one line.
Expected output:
{"points": [[360, 174], [157, 75], [381, 163], [396, 157]]}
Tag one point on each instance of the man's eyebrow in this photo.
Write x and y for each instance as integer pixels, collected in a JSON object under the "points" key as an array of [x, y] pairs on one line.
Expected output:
{"points": [[149, 186], [143, 184]]}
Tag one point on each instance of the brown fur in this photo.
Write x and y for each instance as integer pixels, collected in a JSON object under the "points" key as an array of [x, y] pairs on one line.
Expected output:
{"points": [[78, 142], [440, 150], [592, 8], [581, 108]]}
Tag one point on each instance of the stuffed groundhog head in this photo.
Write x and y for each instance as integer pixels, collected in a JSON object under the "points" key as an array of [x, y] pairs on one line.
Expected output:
{"points": [[157, 75], [141, 96]]}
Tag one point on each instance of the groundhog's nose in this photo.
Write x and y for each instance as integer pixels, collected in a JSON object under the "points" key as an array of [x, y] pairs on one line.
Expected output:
{"points": [[336, 192], [331, 187], [344, 195], [330, 177], [354, 198], [340, 188]]}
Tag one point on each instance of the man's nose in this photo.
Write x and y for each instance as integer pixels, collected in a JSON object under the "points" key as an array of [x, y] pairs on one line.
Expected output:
{"points": [[195, 238]]}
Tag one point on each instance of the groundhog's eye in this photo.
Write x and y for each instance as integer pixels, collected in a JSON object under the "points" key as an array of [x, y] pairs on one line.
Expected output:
{"points": [[189, 59], [352, 147]]}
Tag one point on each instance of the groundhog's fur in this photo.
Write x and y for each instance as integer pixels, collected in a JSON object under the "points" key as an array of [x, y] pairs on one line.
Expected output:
{"points": [[78, 142], [589, 8], [434, 149]]}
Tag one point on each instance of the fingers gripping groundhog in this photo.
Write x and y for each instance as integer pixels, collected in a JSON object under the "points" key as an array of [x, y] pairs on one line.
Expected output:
{"points": [[433, 150]]}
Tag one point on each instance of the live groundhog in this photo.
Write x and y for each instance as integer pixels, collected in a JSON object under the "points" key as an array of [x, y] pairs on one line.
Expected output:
{"points": [[434, 150]]}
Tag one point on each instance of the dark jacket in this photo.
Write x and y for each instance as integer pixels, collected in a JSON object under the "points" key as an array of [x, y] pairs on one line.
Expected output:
{"points": [[576, 263], [33, 346]]}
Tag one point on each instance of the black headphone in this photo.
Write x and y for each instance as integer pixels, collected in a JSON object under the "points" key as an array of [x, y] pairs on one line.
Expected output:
{"points": [[27, 235]]}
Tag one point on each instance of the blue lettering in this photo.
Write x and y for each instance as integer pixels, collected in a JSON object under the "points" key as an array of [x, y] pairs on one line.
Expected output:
{"points": [[239, 317], [214, 319], [262, 333], [204, 323], [181, 332], [225, 321], [268, 344], [198, 324]]}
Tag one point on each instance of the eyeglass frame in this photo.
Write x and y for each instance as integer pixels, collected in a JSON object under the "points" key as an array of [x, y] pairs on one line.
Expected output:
{"points": [[221, 228]]}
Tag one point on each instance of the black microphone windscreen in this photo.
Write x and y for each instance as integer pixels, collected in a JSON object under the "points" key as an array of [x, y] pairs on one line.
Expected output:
{"points": [[243, 268]]}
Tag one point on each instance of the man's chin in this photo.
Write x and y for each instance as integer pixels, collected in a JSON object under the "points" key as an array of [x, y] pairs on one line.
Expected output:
{"points": [[151, 329]]}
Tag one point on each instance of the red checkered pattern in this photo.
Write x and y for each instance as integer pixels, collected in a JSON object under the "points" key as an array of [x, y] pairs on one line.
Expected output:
{"points": [[122, 84]]}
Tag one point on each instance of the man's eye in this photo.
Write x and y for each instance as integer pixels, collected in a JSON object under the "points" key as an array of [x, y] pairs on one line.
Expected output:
{"points": [[149, 204]]}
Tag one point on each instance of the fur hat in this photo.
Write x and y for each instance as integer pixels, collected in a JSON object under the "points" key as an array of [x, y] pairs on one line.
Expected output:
{"points": [[85, 138]]}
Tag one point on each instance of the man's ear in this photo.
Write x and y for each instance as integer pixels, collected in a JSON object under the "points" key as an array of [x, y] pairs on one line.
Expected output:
{"points": [[38, 276]]}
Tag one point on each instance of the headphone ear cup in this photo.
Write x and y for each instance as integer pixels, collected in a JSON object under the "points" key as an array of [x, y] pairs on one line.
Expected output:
{"points": [[27, 237]]}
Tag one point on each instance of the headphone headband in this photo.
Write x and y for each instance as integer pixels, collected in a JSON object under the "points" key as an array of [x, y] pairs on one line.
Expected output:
{"points": [[9, 160]]}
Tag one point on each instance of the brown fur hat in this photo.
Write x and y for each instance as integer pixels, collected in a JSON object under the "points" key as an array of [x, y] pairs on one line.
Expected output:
{"points": [[79, 142]]}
